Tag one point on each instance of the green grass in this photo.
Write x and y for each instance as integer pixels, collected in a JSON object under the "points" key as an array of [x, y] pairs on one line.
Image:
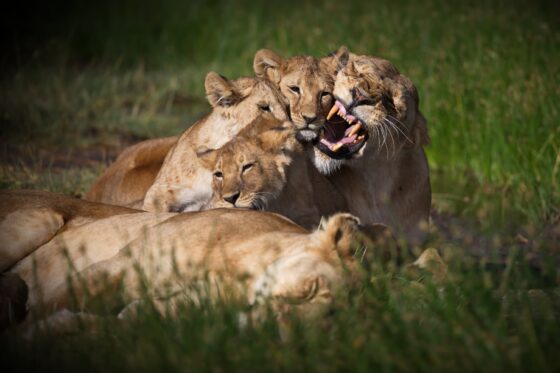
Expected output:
{"points": [[90, 76], [395, 320]]}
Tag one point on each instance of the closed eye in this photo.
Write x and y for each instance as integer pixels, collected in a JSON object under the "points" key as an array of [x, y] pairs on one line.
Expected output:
{"points": [[264, 107], [246, 167], [294, 88]]}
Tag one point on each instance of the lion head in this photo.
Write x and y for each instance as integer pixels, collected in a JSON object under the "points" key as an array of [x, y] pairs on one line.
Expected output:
{"points": [[181, 184], [306, 82], [242, 100], [375, 109], [250, 171]]}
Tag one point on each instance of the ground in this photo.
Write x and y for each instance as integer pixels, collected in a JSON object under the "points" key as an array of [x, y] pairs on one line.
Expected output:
{"points": [[79, 82]]}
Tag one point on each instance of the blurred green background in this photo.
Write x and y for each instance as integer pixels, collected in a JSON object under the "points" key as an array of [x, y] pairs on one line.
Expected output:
{"points": [[79, 74]]}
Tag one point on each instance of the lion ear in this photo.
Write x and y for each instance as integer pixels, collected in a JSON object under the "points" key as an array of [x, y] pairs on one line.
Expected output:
{"points": [[336, 60], [267, 65], [220, 91]]}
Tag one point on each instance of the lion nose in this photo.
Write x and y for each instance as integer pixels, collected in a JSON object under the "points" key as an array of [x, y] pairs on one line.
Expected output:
{"points": [[232, 198], [309, 119]]}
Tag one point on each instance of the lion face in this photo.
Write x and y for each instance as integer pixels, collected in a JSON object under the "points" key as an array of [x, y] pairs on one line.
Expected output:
{"points": [[306, 83], [251, 170], [375, 110]]}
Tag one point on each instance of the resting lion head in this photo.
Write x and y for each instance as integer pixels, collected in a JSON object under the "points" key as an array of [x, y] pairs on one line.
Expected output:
{"points": [[250, 171], [307, 84], [375, 111]]}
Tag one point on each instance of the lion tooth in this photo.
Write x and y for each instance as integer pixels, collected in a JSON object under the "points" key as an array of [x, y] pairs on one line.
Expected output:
{"points": [[336, 147], [360, 138], [333, 111], [355, 129]]}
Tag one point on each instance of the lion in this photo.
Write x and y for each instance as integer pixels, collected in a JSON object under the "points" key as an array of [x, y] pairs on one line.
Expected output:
{"points": [[181, 184], [266, 168], [371, 145], [126, 181], [263, 255], [306, 82], [235, 103], [29, 219]]}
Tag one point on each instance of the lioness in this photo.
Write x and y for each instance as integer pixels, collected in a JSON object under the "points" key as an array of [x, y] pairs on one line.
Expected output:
{"points": [[263, 255], [182, 184], [371, 145], [265, 167], [235, 103]]}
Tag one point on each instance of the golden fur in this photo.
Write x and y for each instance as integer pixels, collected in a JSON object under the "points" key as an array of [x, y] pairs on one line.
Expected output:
{"points": [[307, 84], [30, 218], [127, 180], [386, 177], [261, 254], [265, 167], [182, 184], [234, 104]]}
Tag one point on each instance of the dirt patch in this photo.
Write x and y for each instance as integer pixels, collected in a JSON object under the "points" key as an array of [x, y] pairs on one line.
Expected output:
{"points": [[60, 158]]}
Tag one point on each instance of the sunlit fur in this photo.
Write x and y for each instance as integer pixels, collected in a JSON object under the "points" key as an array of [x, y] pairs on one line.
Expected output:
{"points": [[306, 82], [181, 184], [245, 167], [267, 168]]}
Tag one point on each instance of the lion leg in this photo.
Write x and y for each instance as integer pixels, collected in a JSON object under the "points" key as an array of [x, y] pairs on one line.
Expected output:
{"points": [[23, 231]]}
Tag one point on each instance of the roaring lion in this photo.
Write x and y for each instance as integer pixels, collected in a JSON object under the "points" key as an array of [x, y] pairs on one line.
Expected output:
{"points": [[263, 255], [235, 103], [371, 145]]}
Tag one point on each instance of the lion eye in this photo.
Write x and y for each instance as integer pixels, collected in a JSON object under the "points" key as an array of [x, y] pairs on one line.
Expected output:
{"points": [[264, 107], [218, 174], [246, 167], [294, 88]]}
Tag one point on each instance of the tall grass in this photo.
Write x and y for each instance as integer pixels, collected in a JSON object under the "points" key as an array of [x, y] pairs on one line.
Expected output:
{"points": [[395, 320]]}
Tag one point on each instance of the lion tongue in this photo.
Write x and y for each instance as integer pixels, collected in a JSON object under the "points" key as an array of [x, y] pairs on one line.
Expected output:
{"points": [[335, 146]]}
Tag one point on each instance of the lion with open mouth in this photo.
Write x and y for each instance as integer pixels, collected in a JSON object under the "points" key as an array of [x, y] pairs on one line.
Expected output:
{"points": [[371, 145]]}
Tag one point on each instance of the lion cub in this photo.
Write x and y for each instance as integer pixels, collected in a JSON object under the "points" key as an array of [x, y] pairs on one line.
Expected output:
{"points": [[266, 168]]}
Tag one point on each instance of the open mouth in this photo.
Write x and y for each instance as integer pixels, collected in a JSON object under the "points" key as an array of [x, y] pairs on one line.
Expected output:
{"points": [[343, 134]]}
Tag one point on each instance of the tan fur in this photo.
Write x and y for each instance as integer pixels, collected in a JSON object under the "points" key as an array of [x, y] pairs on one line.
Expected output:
{"points": [[387, 180], [127, 180], [265, 167], [263, 255], [30, 218], [307, 84], [182, 184], [234, 104]]}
